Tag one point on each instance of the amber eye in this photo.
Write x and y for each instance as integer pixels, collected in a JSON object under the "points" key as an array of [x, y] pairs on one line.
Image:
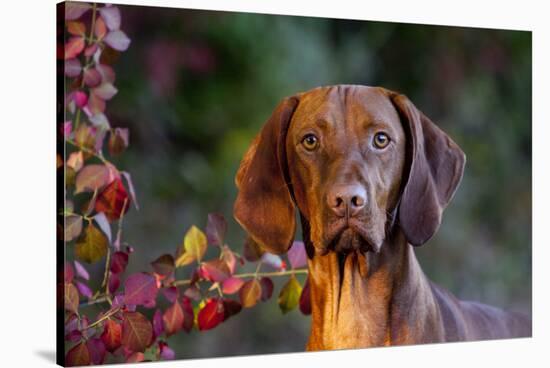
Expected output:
{"points": [[381, 140], [310, 142]]}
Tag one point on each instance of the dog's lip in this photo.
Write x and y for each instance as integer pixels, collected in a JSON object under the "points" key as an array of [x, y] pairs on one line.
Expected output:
{"points": [[356, 228]]}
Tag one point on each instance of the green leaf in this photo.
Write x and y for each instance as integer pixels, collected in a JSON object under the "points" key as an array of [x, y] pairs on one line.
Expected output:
{"points": [[73, 226], [92, 246], [290, 295], [193, 247]]}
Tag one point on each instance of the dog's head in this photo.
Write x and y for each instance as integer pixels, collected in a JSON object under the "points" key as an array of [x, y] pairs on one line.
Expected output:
{"points": [[356, 161]]}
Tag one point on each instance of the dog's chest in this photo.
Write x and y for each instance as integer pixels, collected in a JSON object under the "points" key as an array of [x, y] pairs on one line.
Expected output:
{"points": [[349, 310]]}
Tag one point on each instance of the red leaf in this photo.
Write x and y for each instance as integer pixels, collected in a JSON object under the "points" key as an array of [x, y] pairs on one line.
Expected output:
{"points": [[69, 273], [135, 358], [215, 270], [118, 141], [90, 50], [114, 282], [92, 78], [230, 307], [112, 335], [117, 40], [137, 332], [80, 99], [171, 294], [305, 299], [140, 289], [67, 129], [158, 325], [119, 262], [107, 73], [100, 29], [164, 265], [267, 288], [192, 292], [188, 314], [216, 229], [96, 104], [232, 285], [76, 28], [250, 293], [211, 315], [229, 257], [173, 319], [73, 47], [97, 350], [113, 200], [92, 177], [72, 67], [78, 355], [297, 255]]}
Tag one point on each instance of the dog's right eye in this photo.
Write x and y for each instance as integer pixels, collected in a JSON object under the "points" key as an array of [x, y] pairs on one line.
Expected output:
{"points": [[310, 142]]}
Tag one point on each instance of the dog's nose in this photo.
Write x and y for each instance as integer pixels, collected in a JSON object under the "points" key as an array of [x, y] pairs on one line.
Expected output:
{"points": [[347, 200]]}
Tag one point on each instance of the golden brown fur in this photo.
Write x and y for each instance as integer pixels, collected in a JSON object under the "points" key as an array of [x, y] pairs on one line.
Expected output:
{"points": [[364, 203]]}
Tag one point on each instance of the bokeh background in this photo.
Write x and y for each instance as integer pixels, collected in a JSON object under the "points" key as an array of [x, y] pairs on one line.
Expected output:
{"points": [[196, 86]]}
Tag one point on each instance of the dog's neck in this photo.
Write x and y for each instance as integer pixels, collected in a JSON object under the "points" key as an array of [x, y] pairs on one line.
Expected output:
{"points": [[372, 299]]}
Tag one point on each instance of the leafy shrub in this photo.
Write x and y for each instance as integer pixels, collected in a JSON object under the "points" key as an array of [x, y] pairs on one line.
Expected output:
{"points": [[144, 308]]}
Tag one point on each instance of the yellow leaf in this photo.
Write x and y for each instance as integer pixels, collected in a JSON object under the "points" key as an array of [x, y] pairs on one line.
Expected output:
{"points": [[193, 247], [71, 298], [92, 246], [290, 295]]}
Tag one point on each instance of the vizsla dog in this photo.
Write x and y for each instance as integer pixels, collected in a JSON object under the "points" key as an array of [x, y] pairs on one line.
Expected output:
{"points": [[370, 176]]}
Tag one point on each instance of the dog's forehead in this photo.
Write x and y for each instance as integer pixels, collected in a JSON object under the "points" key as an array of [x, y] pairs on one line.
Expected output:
{"points": [[343, 103]]}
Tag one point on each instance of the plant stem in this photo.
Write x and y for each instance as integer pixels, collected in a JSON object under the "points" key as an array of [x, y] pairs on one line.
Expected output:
{"points": [[102, 298], [87, 150], [105, 316]]}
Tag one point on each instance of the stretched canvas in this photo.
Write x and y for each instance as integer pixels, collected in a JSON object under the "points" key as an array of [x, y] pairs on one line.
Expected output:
{"points": [[235, 183]]}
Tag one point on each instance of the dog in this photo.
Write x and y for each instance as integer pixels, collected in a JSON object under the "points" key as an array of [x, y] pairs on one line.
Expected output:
{"points": [[370, 176]]}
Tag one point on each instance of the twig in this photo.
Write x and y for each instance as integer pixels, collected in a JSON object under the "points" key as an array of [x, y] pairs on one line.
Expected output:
{"points": [[89, 151], [105, 316], [102, 298]]}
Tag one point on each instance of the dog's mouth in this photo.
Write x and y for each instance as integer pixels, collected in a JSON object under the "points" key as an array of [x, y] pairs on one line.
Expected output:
{"points": [[345, 236]]}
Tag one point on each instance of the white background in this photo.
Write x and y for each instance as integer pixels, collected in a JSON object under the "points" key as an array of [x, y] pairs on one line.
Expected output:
{"points": [[27, 206]]}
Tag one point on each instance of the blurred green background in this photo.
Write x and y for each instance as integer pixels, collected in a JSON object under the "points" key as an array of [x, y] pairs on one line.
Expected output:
{"points": [[196, 86]]}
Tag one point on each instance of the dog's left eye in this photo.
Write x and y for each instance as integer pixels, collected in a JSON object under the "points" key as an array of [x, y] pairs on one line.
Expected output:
{"points": [[381, 140], [310, 142]]}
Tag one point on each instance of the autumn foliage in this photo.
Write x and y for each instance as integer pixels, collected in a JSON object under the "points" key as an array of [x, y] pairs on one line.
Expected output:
{"points": [[141, 310]]}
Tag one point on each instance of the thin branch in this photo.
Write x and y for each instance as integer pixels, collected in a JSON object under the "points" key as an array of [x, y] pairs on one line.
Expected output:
{"points": [[105, 316], [89, 151], [102, 298], [302, 271]]}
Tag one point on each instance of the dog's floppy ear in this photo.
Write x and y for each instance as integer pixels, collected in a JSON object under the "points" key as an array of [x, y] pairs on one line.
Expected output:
{"points": [[436, 168], [264, 206]]}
